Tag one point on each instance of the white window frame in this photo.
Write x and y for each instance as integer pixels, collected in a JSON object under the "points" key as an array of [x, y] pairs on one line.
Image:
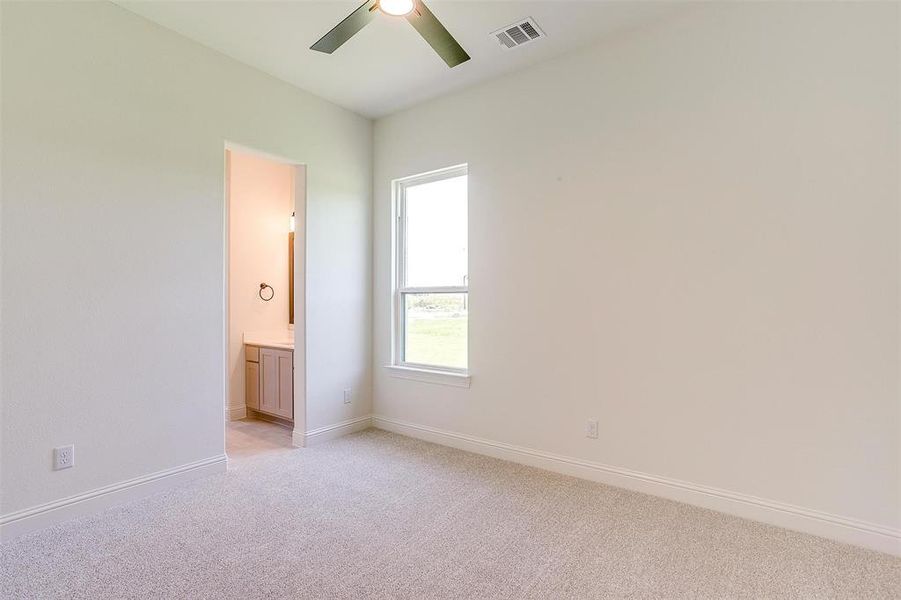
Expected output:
{"points": [[398, 366]]}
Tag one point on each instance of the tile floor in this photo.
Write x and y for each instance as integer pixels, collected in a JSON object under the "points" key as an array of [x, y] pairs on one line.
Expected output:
{"points": [[254, 437]]}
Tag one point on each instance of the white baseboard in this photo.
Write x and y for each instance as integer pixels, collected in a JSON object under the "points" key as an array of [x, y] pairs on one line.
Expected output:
{"points": [[842, 529], [235, 413], [298, 439], [45, 515], [330, 432]]}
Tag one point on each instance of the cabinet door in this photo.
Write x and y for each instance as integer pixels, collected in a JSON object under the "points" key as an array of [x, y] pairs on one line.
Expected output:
{"points": [[252, 384], [269, 380], [285, 384]]}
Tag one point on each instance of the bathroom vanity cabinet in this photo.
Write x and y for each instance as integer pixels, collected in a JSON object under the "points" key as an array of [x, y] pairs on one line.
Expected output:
{"points": [[269, 377]]}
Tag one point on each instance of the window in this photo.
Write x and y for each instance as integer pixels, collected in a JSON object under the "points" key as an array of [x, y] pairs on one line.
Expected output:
{"points": [[431, 292]]}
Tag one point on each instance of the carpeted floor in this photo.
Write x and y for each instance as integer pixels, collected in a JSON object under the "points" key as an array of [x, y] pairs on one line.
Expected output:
{"points": [[376, 515]]}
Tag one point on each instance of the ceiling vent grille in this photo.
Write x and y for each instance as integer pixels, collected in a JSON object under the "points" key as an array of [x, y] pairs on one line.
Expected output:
{"points": [[519, 33]]}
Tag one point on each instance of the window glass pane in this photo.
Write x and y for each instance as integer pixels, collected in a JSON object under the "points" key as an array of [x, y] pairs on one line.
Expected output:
{"points": [[435, 329], [436, 235]]}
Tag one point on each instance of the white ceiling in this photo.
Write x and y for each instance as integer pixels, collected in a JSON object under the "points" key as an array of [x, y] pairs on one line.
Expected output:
{"points": [[387, 66]]}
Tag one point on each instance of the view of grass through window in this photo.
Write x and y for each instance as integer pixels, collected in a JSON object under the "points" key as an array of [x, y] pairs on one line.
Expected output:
{"points": [[436, 329]]}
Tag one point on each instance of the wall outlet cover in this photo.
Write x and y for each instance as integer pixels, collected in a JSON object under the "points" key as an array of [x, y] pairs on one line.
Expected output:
{"points": [[63, 457], [591, 429], [347, 396]]}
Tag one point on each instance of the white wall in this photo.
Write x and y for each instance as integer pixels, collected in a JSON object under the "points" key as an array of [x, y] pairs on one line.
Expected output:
{"points": [[113, 132], [691, 233], [260, 202]]}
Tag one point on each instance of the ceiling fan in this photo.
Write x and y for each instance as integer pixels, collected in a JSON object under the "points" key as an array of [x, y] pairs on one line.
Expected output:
{"points": [[415, 11]]}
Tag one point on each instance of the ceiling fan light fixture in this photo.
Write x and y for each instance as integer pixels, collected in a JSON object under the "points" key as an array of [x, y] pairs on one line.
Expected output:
{"points": [[396, 8], [416, 13]]}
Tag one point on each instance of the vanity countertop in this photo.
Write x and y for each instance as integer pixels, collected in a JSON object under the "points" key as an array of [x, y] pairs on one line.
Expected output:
{"points": [[283, 340]]}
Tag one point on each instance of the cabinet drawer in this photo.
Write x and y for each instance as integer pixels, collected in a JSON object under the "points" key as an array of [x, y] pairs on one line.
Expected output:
{"points": [[252, 353]]}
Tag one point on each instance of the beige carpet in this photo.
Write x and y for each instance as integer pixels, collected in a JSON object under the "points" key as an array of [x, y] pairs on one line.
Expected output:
{"points": [[376, 515]]}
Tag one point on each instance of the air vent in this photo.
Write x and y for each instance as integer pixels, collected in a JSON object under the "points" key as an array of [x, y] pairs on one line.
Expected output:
{"points": [[519, 33]]}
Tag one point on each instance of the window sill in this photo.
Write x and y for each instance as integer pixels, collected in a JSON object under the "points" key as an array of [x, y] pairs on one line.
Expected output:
{"points": [[430, 376]]}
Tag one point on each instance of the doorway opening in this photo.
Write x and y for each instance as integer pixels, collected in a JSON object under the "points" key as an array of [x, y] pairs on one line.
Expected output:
{"points": [[265, 207]]}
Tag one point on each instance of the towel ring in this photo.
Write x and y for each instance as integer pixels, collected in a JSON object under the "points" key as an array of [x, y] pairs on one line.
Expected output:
{"points": [[263, 286]]}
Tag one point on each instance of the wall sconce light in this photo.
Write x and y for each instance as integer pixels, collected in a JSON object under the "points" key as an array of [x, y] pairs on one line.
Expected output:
{"points": [[291, 223]]}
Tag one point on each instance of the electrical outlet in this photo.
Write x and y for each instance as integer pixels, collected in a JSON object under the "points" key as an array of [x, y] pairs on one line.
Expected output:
{"points": [[591, 429], [63, 457], [347, 396]]}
